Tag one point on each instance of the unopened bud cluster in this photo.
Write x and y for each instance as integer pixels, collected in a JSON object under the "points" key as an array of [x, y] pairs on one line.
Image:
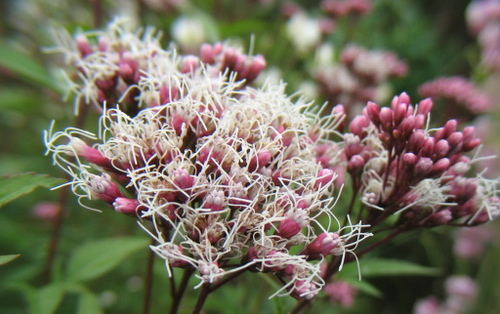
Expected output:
{"points": [[401, 166]]}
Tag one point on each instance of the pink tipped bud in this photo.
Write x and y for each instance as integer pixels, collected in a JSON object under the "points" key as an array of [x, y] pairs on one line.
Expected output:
{"points": [[83, 45], [327, 243], [257, 65], [372, 110], [386, 119], [444, 132], [423, 166], [189, 63], [400, 112], [416, 141], [441, 148], [207, 53], [288, 228], [410, 159], [407, 126], [126, 206], [468, 133], [419, 121], [182, 179], [440, 218], [214, 201], [470, 145], [440, 166], [425, 106], [103, 188], [404, 98], [358, 124], [356, 163], [455, 138], [260, 160], [325, 176], [90, 154]]}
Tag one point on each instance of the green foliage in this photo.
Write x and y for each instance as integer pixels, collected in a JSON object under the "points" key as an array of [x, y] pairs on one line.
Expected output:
{"points": [[4, 259], [25, 66], [94, 259], [15, 186]]}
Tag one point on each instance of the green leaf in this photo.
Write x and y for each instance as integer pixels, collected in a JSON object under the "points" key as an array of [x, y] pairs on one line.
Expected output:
{"points": [[47, 299], [89, 304], [15, 186], [25, 66], [364, 286], [94, 259], [377, 267], [4, 259]]}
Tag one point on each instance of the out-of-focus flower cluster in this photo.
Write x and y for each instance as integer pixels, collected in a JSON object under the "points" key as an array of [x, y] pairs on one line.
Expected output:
{"points": [[359, 75], [483, 18], [229, 175], [400, 166], [459, 91], [461, 291], [339, 8]]}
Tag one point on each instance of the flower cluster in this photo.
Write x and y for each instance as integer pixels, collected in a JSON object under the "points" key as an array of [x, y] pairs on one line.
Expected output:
{"points": [[339, 8], [400, 166], [121, 67], [358, 76], [483, 18], [228, 174], [457, 90], [461, 291]]}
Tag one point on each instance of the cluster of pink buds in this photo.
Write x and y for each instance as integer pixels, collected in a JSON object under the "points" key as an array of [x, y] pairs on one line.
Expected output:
{"points": [[228, 174], [359, 75], [339, 8], [401, 166], [117, 67], [483, 18], [341, 292], [457, 91], [461, 292]]}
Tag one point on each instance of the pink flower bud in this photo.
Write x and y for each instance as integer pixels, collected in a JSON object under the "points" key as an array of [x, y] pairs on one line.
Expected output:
{"points": [[189, 63], [410, 159], [372, 110], [207, 53], [400, 113], [83, 45], [441, 148], [214, 201], [288, 228], [440, 218], [182, 179], [455, 138], [126, 206], [386, 119], [419, 121], [358, 124], [425, 106], [440, 166], [256, 66], [326, 243], [423, 166], [325, 176], [356, 163], [470, 145], [104, 188], [260, 160], [416, 141], [407, 126]]}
